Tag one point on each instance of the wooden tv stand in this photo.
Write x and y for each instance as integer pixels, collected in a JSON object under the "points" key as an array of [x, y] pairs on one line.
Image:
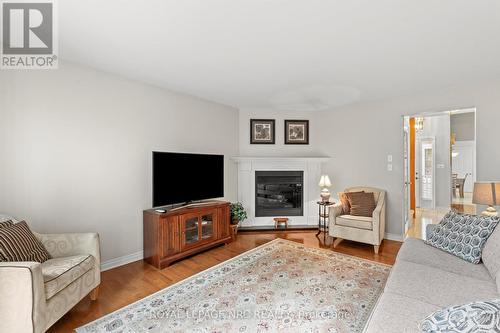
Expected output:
{"points": [[184, 231]]}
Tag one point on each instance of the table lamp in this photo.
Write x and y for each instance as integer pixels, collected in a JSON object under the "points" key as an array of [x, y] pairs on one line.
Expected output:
{"points": [[487, 193], [325, 183]]}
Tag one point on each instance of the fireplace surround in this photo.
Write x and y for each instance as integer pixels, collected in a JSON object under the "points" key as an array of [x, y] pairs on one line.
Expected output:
{"points": [[309, 167]]}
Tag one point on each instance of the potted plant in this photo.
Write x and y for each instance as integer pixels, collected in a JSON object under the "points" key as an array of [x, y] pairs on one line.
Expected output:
{"points": [[238, 214]]}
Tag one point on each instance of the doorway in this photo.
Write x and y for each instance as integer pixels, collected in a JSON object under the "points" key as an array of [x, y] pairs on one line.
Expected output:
{"points": [[425, 185], [440, 163]]}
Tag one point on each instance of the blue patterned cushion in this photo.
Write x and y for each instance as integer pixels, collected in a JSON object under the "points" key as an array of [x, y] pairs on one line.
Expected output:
{"points": [[472, 317], [463, 235]]}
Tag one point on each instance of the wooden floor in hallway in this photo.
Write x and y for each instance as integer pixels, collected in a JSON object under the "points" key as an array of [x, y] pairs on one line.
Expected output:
{"points": [[424, 217], [129, 283]]}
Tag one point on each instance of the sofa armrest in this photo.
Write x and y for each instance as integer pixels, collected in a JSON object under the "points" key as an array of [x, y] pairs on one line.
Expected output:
{"points": [[378, 210], [65, 245], [22, 297], [378, 216], [334, 212]]}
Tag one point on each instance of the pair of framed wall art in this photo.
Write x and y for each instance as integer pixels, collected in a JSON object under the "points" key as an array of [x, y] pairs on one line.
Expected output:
{"points": [[262, 131]]}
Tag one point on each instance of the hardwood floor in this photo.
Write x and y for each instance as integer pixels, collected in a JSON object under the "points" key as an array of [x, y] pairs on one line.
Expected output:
{"points": [[126, 284], [424, 217]]}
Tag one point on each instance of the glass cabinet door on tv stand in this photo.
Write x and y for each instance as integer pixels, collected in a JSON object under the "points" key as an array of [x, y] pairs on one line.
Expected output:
{"points": [[197, 228], [191, 230], [207, 226]]}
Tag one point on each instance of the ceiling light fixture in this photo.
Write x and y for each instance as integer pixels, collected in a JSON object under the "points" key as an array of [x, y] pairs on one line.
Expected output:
{"points": [[419, 124]]}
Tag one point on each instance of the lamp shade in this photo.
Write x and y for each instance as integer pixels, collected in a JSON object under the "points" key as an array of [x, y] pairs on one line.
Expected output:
{"points": [[486, 193], [325, 181]]}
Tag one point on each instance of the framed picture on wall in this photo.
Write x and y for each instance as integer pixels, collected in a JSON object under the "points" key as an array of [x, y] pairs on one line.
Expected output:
{"points": [[262, 131], [296, 132]]}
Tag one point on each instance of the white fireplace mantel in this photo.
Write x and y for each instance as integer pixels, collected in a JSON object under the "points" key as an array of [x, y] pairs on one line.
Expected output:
{"points": [[311, 166], [319, 159]]}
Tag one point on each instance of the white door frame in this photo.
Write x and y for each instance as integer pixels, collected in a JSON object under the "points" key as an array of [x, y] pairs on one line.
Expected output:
{"points": [[407, 218]]}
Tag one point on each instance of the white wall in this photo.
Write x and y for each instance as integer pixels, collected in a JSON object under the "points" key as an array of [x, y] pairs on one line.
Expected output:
{"points": [[463, 126], [76, 145], [359, 138]]}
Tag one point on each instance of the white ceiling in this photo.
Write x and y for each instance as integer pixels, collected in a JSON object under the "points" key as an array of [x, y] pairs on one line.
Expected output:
{"points": [[287, 54]]}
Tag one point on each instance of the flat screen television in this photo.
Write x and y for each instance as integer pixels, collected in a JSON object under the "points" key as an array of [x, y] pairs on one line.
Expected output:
{"points": [[181, 178]]}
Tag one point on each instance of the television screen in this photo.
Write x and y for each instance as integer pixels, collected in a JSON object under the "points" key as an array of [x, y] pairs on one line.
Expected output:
{"points": [[179, 178]]}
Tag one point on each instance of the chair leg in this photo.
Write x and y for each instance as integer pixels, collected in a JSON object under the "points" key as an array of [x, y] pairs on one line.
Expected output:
{"points": [[336, 242], [376, 248], [94, 293]]}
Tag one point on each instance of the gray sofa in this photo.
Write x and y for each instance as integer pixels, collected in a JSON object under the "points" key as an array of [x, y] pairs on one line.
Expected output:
{"points": [[425, 279]]}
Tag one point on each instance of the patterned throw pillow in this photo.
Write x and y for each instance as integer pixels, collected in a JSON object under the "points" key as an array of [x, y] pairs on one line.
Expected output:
{"points": [[6, 224], [463, 235], [472, 317], [17, 243]]}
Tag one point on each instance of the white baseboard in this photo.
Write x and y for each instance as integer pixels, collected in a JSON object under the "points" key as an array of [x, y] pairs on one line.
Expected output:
{"points": [[394, 237], [120, 261]]}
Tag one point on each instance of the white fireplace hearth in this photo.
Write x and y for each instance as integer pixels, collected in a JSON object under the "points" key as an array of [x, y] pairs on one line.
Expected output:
{"points": [[309, 167]]}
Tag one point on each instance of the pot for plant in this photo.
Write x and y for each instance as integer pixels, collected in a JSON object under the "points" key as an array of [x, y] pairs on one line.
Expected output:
{"points": [[238, 214], [234, 230]]}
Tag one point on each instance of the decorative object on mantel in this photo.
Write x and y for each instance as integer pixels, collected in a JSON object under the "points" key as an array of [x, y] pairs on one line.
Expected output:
{"points": [[238, 214], [296, 132], [297, 288], [262, 131], [487, 193], [325, 183]]}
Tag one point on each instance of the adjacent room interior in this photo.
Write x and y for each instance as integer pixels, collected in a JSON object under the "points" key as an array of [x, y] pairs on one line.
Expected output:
{"points": [[440, 163], [249, 166]]}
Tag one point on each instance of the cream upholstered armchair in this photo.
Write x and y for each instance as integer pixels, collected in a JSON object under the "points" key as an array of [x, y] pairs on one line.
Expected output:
{"points": [[33, 296], [362, 229]]}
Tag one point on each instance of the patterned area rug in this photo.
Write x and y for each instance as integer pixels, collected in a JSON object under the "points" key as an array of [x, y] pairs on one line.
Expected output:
{"points": [[281, 286]]}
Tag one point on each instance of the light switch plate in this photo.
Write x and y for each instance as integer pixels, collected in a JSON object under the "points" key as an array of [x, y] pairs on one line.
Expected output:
{"points": [[389, 167], [389, 158]]}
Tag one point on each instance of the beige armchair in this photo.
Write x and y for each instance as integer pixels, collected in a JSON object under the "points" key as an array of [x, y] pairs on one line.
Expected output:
{"points": [[362, 229], [34, 296]]}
